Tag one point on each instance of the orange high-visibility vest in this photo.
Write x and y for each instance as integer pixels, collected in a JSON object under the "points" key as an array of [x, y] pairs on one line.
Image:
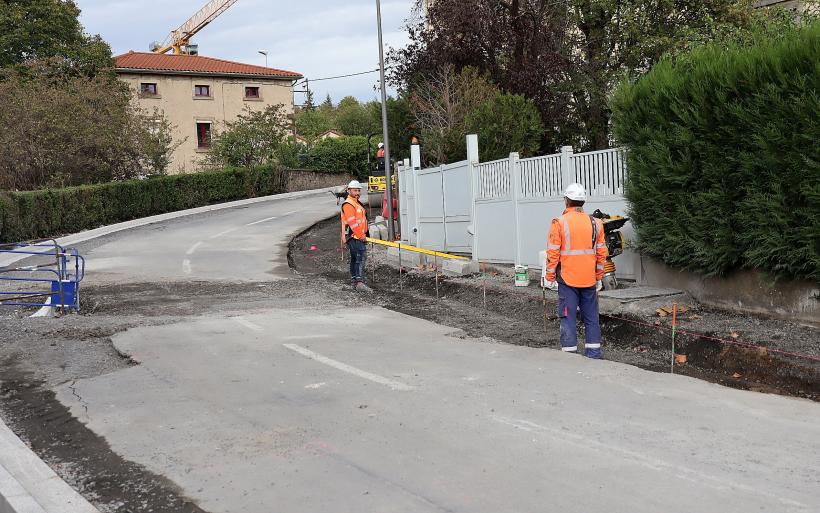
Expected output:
{"points": [[354, 220], [570, 245]]}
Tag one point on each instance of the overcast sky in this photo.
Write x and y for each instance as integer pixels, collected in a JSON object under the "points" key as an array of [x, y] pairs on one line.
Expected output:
{"points": [[318, 38]]}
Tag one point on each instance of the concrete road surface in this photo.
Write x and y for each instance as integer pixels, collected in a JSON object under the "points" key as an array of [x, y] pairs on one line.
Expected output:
{"points": [[301, 409]]}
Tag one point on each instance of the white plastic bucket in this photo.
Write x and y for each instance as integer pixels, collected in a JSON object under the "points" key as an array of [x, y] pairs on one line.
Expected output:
{"points": [[522, 276]]}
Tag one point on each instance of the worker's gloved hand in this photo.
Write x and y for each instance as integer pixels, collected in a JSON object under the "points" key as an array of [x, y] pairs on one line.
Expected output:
{"points": [[552, 285], [599, 285]]}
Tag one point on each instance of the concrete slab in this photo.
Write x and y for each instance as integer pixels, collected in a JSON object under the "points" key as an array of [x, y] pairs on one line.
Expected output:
{"points": [[295, 408]]}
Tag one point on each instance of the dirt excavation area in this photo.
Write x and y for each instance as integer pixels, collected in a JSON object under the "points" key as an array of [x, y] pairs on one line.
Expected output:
{"points": [[739, 351]]}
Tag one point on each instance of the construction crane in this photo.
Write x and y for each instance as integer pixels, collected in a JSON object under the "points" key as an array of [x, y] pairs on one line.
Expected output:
{"points": [[179, 40]]}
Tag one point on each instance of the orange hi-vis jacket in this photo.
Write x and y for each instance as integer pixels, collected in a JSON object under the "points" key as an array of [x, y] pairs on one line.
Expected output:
{"points": [[570, 245], [354, 220]]}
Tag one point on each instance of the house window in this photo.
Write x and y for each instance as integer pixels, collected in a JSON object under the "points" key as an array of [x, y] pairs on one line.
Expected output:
{"points": [[252, 92], [202, 90], [148, 88], [203, 135]]}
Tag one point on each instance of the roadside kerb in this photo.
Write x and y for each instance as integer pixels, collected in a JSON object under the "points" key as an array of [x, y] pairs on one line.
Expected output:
{"points": [[77, 238], [28, 485]]}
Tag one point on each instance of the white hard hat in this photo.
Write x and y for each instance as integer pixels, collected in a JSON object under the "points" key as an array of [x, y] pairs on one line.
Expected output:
{"points": [[381, 145], [354, 185], [576, 192]]}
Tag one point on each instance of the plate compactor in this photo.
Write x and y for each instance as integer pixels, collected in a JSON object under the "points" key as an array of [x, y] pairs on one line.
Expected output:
{"points": [[615, 244]]}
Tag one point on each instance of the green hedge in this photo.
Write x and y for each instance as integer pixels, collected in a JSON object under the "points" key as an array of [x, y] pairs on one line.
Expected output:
{"points": [[724, 157], [52, 212]]}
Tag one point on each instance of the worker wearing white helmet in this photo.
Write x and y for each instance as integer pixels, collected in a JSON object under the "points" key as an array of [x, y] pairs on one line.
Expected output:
{"points": [[355, 233], [380, 151], [576, 253]]}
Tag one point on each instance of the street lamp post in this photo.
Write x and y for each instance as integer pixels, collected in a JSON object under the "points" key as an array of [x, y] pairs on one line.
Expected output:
{"points": [[265, 53], [388, 175]]}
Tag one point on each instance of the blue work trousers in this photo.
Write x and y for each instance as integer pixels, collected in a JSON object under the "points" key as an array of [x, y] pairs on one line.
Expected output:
{"points": [[570, 299], [358, 257]]}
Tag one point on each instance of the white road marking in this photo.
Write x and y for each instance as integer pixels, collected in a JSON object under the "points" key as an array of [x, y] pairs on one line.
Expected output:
{"points": [[186, 266], [315, 385], [395, 385], [695, 476], [226, 232], [193, 248], [43, 311], [304, 337], [262, 220], [248, 324], [289, 213]]}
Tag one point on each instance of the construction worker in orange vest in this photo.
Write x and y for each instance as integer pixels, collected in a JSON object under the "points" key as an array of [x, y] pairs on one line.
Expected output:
{"points": [[576, 253], [354, 234]]}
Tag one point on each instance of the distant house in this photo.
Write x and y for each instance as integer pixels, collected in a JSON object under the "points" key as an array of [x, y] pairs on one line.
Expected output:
{"points": [[197, 92], [799, 6], [330, 134]]}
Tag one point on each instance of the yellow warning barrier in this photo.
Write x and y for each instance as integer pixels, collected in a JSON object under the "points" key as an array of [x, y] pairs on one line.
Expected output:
{"points": [[415, 249]]}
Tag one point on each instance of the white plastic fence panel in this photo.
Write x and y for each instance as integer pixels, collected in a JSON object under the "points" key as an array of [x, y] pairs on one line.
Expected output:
{"points": [[430, 199], [458, 206]]}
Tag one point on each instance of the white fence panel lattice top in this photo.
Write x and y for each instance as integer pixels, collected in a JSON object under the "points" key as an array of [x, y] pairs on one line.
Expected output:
{"points": [[493, 179], [541, 177], [602, 173]]}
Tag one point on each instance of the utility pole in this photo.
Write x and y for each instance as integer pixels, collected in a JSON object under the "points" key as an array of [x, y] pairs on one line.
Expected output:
{"points": [[388, 175], [265, 53]]}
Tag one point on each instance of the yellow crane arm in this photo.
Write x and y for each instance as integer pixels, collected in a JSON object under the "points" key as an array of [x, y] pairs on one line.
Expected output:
{"points": [[181, 36]]}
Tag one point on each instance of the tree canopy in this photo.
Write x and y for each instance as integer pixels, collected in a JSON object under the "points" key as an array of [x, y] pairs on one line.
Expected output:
{"points": [[566, 57]]}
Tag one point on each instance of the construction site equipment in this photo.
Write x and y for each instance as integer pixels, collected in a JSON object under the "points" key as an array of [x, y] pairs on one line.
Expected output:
{"points": [[51, 277], [179, 40], [615, 244]]}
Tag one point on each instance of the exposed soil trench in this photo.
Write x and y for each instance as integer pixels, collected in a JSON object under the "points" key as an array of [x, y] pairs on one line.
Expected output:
{"points": [[520, 317]]}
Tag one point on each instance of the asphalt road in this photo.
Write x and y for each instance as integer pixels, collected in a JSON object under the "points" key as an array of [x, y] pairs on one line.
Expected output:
{"points": [[316, 406]]}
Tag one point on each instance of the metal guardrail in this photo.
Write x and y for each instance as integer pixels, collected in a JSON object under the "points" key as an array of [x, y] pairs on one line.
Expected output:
{"points": [[51, 279]]}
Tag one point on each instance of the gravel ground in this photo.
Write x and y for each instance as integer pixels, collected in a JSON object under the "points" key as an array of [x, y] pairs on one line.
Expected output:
{"points": [[519, 316]]}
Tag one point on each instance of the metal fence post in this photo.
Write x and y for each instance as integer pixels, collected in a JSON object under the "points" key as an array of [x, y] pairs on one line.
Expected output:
{"points": [[515, 184], [473, 159], [567, 167], [415, 160]]}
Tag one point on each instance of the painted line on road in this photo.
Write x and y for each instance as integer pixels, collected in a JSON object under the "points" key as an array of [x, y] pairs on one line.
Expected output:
{"points": [[395, 385], [304, 337], [262, 220], [248, 324], [289, 213], [44, 311], [226, 232], [186, 266], [193, 248], [721, 483]]}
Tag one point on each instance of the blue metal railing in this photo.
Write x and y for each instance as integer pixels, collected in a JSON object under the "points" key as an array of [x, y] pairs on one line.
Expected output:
{"points": [[52, 277]]}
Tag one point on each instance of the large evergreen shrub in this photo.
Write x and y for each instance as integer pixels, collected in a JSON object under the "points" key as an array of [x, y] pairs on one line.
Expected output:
{"points": [[724, 156]]}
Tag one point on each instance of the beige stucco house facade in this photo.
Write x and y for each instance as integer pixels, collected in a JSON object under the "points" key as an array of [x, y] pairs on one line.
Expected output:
{"points": [[198, 94]]}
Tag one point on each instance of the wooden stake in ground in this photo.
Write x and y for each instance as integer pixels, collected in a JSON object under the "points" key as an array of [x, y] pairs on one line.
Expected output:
{"points": [[435, 263], [674, 328], [401, 278], [483, 268]]}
